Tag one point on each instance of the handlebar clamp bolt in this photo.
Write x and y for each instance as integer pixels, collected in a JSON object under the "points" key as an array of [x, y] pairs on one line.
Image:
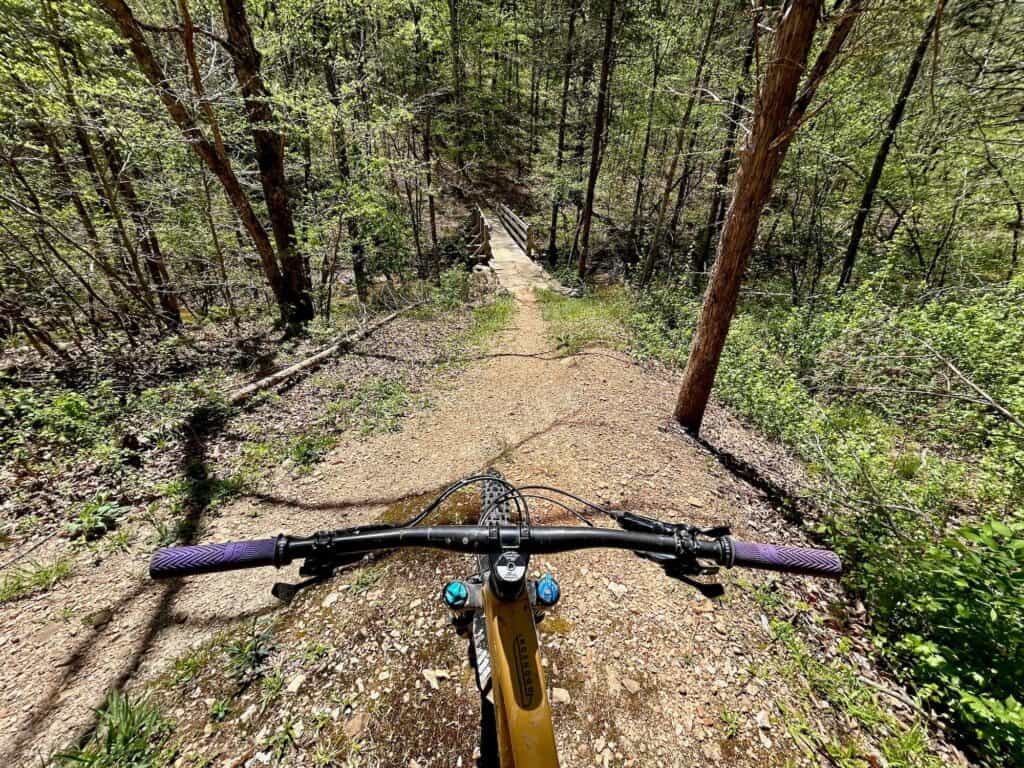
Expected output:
{"points": [[548, 591], [456, 594]]}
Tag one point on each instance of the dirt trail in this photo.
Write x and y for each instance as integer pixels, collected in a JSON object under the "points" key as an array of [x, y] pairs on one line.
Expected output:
{"points": [[649, 667]]}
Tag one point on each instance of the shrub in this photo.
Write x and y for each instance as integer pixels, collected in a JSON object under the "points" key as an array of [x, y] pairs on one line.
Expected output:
{"points": [[95, 518], [453, 290]]}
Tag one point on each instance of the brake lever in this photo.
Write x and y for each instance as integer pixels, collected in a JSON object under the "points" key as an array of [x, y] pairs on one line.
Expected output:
{"points": [[677, 568], [323, 563]]}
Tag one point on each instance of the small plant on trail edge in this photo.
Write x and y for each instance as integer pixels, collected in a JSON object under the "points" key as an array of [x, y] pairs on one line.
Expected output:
{"points": [[366, 579], [730, 723], [248, 652], [95, 519], [36, 577], [129, 733], [454, 288], [307, 450], [272, 686], [220, 710]]}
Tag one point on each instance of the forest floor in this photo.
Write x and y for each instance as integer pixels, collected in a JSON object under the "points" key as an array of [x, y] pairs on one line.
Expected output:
{"points": [[365, 671]]}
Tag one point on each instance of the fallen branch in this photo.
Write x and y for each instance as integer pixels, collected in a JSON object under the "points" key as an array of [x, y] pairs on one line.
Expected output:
{"points": [[243, 394], [989, 400]]}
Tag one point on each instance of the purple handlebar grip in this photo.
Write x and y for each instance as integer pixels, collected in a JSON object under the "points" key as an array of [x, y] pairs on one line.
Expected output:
{"points": [[211, 558], [812, 562]]}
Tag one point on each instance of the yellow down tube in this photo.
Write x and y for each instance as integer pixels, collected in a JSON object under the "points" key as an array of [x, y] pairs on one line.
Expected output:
{"points": [[526, 737]]}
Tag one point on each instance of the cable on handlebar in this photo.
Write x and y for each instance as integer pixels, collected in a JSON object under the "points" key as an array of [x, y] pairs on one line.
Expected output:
{"points": [[447, 492]]}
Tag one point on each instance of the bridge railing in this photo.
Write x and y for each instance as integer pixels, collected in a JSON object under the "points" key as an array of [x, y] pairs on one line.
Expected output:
{"points": [[480, 232], [520, 231]]}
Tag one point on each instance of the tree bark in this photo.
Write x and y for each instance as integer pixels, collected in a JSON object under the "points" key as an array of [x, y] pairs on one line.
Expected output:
{"points": [[269, 144], [652, 254], [778, 113], [600, 119], [895, 118]]}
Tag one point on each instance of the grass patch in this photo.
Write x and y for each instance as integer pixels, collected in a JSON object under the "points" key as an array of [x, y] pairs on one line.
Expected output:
{"points": [[598, 318], [901, 744], [489, 319], [130, 732], [375, 407], [33, 578], [366, 578]]}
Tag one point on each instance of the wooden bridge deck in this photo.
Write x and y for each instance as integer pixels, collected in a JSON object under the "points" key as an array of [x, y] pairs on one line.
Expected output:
{"points": [[516, 272]]}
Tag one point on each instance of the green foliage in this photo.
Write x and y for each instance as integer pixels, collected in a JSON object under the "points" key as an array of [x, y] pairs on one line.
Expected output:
{"points": [[489, 319], [375, 406], [307, 450], [95, 518], [921, 475], [27, 580], [248, 652], [131, 733], [453, 291], [59, 420], [220, 710], [902, 744], [188, 667], [366, 578], [592, 319]]}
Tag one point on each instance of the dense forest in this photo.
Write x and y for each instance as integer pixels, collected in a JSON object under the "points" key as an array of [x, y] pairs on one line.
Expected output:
{"points": [[814, 210]]}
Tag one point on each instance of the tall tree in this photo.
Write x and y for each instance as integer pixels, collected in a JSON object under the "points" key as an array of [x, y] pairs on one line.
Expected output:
{"points": [[895, 118], [778, 113], [291, 291], [703, 251], [652, 254], [641, 175], [270, 145], [560, 149], [600, 122]]}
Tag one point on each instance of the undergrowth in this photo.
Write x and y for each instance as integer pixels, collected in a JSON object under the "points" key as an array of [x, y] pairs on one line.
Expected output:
{"points": [[890, 404]]}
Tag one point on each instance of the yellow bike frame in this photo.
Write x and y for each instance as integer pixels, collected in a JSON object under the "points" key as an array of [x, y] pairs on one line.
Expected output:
{"points": [[526, 736]]}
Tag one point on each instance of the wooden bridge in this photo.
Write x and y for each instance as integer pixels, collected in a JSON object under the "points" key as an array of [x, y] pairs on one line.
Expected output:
{"points": [[520, 231], [508, 243]]}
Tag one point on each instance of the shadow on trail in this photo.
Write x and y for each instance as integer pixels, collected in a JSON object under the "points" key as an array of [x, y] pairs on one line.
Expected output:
{"points": [[375, 501], [201, 488]]}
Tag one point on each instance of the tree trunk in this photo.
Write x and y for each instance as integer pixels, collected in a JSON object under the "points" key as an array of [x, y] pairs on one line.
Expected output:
{"points": [[269, 144], [895, 118], [778, 113], [218, 163], [652, 253], [560, 152], [149, 244], [600, 118], [702, 253], [344, 175], [642, 171]]}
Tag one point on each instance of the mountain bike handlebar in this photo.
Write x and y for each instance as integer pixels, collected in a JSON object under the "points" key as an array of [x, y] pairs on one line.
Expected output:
{"points": [[169, 562]]}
